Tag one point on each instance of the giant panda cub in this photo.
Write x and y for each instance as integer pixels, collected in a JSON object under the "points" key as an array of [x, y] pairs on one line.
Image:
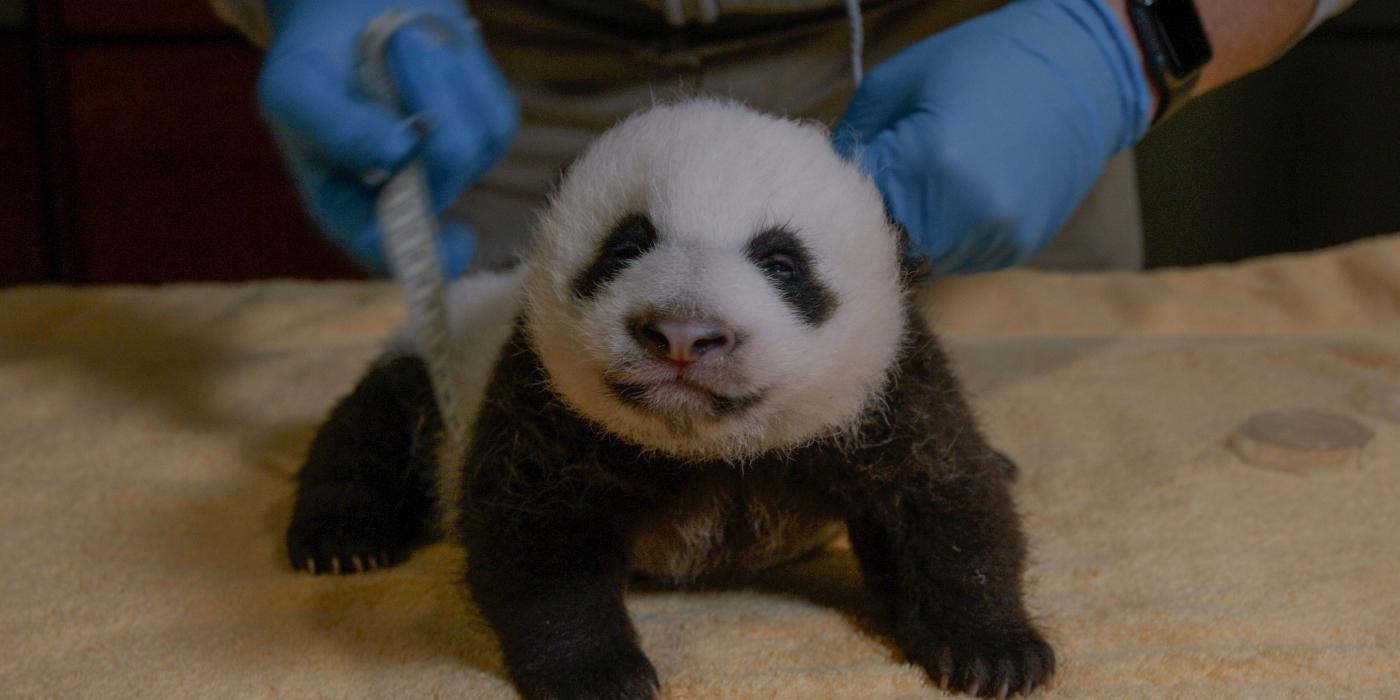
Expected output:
{"points": [[709, 362]]}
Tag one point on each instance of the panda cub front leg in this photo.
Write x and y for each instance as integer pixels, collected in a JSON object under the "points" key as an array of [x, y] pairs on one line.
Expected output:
{"points": [[552, 588], [364, 496], [946, 554]]}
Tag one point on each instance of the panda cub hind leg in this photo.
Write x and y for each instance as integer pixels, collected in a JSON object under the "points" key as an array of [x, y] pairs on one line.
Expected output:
{"points": [[365, 496]]}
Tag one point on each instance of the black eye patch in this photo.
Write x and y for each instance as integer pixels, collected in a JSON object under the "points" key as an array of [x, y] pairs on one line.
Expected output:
{"points": [[787, 264], [630, 239]]}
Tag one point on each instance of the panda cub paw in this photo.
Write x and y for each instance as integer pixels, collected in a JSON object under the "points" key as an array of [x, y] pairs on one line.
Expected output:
{"points": [[620, 675], [343, 529], [989, 664]]}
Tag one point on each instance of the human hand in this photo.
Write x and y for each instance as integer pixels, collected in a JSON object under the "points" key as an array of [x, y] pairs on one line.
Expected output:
{"points": [[340, 145], [984, 138]]}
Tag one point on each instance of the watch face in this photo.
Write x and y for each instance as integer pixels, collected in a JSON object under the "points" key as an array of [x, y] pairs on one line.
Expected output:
{"points": [[1186, 45]]}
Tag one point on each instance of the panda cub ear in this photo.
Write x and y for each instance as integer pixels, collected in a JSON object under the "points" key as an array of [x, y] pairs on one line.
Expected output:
{"points": [[914, 267]]}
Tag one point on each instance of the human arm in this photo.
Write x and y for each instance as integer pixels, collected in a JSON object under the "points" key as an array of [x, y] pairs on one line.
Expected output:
{"points": [[984, 137], [1248, 34]]}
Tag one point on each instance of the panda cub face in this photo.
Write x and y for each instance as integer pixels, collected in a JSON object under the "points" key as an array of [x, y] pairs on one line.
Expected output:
{"points": [[713, 283]]}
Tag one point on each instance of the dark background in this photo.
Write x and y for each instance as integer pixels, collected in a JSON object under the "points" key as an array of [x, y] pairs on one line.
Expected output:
{"points": [[132, 151], [1303, 154]]}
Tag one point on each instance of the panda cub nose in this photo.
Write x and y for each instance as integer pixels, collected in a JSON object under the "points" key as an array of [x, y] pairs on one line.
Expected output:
{"points": [[682, 340]]}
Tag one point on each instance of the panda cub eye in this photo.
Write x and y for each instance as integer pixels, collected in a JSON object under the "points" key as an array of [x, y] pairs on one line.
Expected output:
{"points": [[625, 250], [779, 266], [631, 238], [781, 256]]}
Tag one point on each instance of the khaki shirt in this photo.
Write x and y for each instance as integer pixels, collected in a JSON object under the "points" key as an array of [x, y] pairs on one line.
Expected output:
{"points": [[579, 66]]}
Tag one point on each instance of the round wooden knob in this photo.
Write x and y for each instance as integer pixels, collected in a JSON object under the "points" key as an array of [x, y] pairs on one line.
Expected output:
{"points": [[1302, 441]]}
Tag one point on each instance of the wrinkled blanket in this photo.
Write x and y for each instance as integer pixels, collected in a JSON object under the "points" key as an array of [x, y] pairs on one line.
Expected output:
{"points": [[148, 438]]}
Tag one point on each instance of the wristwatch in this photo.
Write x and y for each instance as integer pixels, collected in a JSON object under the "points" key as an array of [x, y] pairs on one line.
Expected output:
{"points": [[1175, 45]]}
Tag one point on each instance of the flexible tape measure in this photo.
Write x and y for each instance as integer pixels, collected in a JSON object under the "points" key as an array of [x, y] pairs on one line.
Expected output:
{"points": [[404, 210]]}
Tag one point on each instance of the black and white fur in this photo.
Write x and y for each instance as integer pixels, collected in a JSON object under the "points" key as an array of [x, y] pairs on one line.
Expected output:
{"points": [[710, 361]]}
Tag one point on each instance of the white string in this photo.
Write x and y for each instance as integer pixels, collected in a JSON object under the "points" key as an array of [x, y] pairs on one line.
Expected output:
{"points": [[857, 41], [709, 11], [675, 12]]}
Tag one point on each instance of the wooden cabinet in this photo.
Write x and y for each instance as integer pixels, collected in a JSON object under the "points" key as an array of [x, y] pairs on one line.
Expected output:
{"points": [[103, 18], [173, 175], [154, 162], [23, 257]]}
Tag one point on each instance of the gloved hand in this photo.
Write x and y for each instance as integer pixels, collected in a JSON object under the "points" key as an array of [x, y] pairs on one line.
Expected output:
{"points": [[341, 146], [984, 138]]}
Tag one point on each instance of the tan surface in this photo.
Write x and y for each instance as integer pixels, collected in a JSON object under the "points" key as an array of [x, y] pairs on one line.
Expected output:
{"points": [[148, 438]]}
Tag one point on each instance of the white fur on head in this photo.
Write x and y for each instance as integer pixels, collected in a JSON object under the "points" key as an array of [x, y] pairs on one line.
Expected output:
{"points": [[711, 175]]}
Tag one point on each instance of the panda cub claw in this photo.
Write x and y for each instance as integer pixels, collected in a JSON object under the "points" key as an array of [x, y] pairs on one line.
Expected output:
{"points": [[343, 529], [991, 665]]}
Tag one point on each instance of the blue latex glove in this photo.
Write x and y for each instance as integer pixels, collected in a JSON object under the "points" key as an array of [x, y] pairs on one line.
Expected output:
{"points": [[984, 138], [340, 145]]}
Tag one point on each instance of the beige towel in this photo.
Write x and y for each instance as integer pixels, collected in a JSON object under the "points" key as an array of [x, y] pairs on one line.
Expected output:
{"points": [[148, 438]]}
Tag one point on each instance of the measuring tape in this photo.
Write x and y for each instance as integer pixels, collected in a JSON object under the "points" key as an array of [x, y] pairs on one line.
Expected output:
{"points": [[404, 210]]}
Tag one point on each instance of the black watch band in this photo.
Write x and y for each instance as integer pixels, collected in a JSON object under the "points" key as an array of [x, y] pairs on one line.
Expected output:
{"points": [[1175, 45]]}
